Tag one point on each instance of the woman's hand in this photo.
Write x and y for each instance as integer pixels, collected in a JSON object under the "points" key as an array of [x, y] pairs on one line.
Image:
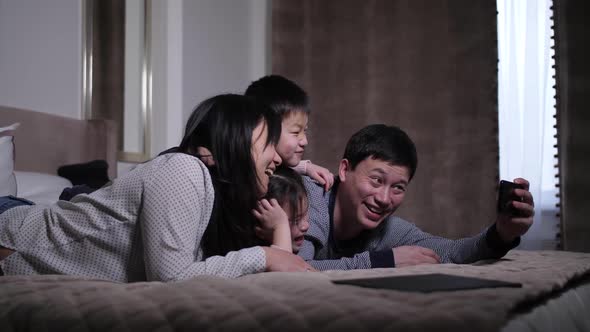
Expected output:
{"points": [[278, 260]]}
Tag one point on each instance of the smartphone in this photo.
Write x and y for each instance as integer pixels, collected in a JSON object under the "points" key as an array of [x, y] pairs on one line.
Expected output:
{"points": [[506, 195]]}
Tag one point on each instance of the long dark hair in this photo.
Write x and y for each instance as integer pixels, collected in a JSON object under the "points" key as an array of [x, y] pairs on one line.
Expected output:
{"points": [[224, 124]]}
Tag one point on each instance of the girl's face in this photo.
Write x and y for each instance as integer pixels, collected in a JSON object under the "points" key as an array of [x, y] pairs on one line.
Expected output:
{"points": [[293, 138], [298, 227], [266, 158]]}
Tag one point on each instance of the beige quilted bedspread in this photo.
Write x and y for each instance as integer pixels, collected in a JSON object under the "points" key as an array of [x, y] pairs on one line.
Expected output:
{"points": [[286, 301]]}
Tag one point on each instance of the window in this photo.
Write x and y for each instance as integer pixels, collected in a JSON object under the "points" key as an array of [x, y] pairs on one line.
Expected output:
{"points": [[526, 104]]}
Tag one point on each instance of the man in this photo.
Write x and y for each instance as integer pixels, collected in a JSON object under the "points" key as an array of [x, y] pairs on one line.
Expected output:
{"points": [[353, 226]]}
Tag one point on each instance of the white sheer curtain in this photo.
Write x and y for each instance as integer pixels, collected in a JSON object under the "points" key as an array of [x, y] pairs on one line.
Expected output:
{"points": [[526, 108]]}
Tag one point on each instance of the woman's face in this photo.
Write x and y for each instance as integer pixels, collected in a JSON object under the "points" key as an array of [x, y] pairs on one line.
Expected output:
{"points": [[266, 158]]}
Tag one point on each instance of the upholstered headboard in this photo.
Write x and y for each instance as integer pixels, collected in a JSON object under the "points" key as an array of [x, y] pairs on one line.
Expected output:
{"points": [[43, 142]]}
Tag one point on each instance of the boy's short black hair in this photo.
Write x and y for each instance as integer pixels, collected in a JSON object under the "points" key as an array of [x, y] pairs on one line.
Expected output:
{"points": [[281, 94], [387, 143]]}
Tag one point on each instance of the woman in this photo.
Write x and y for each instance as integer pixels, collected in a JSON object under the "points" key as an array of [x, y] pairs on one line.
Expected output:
{"points": [[171, 218]]}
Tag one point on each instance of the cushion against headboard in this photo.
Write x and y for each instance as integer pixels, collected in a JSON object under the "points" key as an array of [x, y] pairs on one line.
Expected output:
{"points": [[7, 178], [43, 142]]}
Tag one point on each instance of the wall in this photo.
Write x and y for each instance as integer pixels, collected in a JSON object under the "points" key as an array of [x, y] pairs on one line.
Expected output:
{"points": [[199, 49], [166, 125], [407, 63], [41, 55], [223, 48]]}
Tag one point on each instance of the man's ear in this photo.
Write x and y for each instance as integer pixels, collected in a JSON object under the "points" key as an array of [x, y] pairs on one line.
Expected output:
{"points": [[205, 156], [342, 169]]}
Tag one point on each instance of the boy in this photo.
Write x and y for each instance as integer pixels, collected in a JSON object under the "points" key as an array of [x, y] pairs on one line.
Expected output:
{"points": [[289, 100]]}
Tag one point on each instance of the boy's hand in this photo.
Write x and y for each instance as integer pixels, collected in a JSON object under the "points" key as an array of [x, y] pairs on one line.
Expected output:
{"points": [[320, 174]]}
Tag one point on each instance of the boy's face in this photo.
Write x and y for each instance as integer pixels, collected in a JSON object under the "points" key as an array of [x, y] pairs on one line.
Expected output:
{"points": [[293, 138], [298, 228]]}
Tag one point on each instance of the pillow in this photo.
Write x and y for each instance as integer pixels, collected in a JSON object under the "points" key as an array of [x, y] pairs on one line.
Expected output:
{"points": [[7, 179], [40, 188]]}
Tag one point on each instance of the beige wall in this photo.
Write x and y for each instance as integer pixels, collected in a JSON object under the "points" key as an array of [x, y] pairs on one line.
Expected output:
{"points": [[41, 55]]}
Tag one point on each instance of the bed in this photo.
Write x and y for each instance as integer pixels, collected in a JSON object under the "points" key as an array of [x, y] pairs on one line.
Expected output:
{"points": [[555, 292], [310, 301]]}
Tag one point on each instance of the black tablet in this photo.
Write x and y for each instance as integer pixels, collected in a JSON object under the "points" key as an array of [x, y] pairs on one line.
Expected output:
{"points": [[427, 283]]}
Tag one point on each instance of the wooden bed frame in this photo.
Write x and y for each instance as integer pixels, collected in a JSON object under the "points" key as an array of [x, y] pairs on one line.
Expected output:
{"points": [[44, 142]]}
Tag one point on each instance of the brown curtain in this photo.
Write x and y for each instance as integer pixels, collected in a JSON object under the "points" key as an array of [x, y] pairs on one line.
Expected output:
{"points": [[429, 67], [572, 51]]}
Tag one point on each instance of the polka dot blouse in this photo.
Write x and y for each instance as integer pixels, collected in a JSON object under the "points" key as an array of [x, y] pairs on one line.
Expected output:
{"points": [[147, 225]]}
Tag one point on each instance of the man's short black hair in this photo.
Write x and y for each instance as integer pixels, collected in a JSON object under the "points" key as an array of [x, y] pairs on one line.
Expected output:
{"points": [[281, 94], [387, 143]]}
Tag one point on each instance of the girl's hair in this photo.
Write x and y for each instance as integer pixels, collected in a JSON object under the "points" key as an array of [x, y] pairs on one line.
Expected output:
{"points": [[224, 124], [286, 186]]}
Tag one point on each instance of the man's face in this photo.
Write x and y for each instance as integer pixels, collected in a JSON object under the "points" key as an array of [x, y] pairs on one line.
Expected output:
{"points": [[371, 192]]}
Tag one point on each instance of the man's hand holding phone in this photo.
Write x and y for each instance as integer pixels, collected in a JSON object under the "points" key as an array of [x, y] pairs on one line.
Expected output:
{"points": [[515, 209]]}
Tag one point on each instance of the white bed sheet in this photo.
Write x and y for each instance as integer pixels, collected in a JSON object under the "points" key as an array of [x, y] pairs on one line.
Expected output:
{"points": [[41, 188]]}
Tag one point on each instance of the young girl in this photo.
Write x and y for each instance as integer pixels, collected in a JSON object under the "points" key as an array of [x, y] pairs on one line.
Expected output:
{"points": [[283, 213], [171, 218]]}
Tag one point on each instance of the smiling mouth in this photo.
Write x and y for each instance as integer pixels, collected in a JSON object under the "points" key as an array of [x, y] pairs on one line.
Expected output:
{"points": [[375, 213], [298, 239], [269, 172]]}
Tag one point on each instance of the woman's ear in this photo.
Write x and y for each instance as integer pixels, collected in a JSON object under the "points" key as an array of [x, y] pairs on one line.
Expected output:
{"points": [[205, 156]]}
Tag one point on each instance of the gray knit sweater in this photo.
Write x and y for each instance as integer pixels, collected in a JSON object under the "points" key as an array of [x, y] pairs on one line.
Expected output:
{"points": [[373, 248]]}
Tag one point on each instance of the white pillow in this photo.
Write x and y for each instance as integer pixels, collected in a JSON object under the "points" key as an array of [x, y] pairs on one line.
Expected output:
{"points": [[7, 180], [40, 188]]}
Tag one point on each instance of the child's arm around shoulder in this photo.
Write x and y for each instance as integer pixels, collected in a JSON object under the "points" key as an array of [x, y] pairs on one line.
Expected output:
{"points": [[320, 174]]}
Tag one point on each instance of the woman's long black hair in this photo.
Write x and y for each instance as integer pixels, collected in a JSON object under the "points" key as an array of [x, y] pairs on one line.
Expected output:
{"points": [[224, 124]]}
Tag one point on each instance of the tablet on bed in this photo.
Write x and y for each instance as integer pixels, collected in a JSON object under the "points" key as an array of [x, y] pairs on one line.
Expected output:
{"points": [[426, 283]]}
